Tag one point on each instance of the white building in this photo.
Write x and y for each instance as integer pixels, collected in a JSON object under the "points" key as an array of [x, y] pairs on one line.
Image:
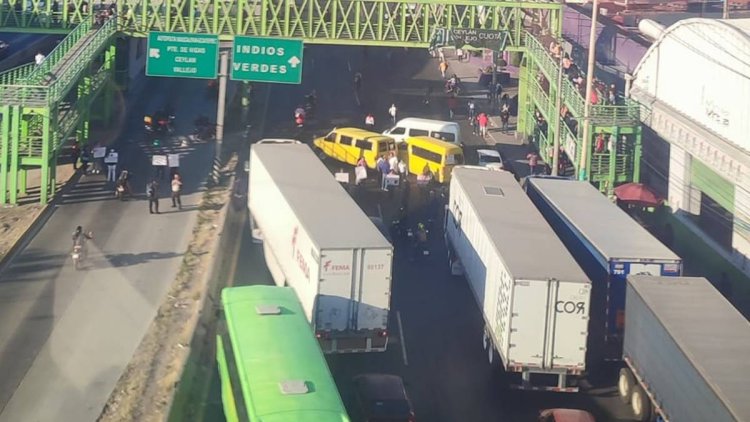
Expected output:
{"points": [[694, 83]]}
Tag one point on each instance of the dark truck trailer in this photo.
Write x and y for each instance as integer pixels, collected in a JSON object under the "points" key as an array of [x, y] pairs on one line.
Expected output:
{"points": [[608, 244], [686, 349]]}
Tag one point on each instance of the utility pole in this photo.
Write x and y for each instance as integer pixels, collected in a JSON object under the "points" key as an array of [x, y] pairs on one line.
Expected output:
{"points": [[220, 108], [586, 144], [558, 107], [725, 11]]}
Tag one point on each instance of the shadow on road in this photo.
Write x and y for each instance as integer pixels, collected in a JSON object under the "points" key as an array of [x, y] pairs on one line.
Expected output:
{"points": [[127, 259]]}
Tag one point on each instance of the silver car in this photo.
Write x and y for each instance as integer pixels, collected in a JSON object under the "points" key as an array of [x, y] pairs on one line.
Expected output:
{"points": [[491, 159]]}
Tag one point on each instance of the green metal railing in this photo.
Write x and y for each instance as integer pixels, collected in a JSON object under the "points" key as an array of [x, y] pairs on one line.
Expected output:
{"points": [[361, 22], [15, 74], [50, 83], [627, 114], [54, 59]]}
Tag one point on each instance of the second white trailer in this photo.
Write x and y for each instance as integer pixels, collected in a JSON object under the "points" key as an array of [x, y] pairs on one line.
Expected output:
{"points": [[533, 295]]}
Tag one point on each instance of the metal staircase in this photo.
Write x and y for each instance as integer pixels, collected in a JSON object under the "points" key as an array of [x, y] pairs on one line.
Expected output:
{"points": [[40, 110], [620, 121]]}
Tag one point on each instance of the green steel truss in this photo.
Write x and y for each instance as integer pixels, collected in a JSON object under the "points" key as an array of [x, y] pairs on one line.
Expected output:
{"points": [[370, 22], [606, 169], [42, 106]]}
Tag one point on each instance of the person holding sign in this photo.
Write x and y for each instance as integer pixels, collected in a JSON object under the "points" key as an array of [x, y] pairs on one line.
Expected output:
{"points": [[111, 161], [159, 162], [174, 165]]}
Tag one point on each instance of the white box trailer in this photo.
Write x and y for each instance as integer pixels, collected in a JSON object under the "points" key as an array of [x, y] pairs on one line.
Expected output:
{"points": [[319, 242], [686, 350], [533, 295]]}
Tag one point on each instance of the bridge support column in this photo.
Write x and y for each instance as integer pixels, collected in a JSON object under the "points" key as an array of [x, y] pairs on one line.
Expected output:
{"points": [[524, 104], [84, 97], [637, 151], [109, 66], [49, 160], [22, 173], [4, 152], [15, 135]]}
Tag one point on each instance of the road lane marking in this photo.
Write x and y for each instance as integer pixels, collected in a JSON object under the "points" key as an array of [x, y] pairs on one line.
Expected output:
{"points": [[401, 338]]}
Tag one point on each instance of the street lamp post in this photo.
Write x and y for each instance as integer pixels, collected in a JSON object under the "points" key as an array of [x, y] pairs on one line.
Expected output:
{"points": [[220, 109], [586, 143]]}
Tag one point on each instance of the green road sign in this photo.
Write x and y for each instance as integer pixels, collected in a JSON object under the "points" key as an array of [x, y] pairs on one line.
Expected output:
{"points": [[267, 60], [180, 55]]}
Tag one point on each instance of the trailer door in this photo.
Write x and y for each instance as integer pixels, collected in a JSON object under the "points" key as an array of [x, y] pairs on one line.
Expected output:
{"points": [[374, 289], [335, 290], [570, 324], [528, 323]]}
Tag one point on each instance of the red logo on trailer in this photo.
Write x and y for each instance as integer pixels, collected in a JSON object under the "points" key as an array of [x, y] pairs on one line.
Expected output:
{"points": [[298, 256]]}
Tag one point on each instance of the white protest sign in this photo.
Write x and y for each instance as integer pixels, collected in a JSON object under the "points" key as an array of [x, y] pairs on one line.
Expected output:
{"points": [[174, 160], [159, 160], [342, 177], [111, 158], [100, 152]]}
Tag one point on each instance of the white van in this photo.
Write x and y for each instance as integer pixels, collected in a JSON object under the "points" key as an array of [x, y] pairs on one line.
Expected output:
{"points": [[412, 126]]}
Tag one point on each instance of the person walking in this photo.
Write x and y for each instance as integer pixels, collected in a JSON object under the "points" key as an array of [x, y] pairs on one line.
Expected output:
{"points": [[483, 120], [533, 161], [39, 58], [459, 54], [441, 54], [111, 161], [85, 159], [75, 153], [472, 109], [176, 191], [153, 197], [392, 111], [384, 169], [443, 66], [370, 121], [393, 161], [505, 112], [452, 104]]}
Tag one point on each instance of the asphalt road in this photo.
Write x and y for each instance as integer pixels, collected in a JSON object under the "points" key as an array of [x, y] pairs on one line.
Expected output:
{"points": [[439, 353], [66, 335]]}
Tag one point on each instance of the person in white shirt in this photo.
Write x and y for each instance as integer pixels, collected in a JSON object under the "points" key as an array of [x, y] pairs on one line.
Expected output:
{"points": [[39, 58], [392, 112]]}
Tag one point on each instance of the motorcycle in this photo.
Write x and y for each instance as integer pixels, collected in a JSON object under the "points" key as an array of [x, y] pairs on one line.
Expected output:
{"points": [[121, 190], [420, 244], [300, 121], [77, 256]]}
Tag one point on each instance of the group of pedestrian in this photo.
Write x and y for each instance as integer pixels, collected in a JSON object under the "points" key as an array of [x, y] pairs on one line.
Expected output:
{"points": [[152, 192], [389, 165]]}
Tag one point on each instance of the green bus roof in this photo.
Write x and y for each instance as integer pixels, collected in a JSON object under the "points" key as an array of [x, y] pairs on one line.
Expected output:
{"points": [[272, 349]]}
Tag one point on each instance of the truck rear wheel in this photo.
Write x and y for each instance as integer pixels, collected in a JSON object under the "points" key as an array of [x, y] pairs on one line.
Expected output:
{"points": [[625, 385], [641, 404]]}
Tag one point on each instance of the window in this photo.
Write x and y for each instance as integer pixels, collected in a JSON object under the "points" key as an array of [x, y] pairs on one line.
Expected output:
{"points": [[427, 155], [397, 131], [362, 144], [384, 146], [446, 136], [345, 140], [331, 137], [418, 132], [456, 159]]}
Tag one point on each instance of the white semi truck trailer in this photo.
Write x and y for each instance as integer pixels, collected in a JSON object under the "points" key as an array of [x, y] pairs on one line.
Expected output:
{"points": [[532, 294], [319, 242]]}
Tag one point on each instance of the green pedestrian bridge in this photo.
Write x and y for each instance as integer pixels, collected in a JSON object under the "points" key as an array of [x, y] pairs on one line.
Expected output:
{"points": [[45, 106]]}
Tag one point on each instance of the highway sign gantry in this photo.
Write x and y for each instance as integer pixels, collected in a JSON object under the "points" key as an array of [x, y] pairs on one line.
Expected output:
{"points": [[261, 59], [180, 55]]}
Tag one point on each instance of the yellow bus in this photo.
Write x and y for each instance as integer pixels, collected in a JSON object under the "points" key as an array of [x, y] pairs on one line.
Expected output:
{"points": [[438, 156], [349, 144]]}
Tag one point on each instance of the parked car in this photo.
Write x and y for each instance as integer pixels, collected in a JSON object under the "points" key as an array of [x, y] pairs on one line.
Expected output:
{"points": [[565, 415], [491, 159], [382, 398]]}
